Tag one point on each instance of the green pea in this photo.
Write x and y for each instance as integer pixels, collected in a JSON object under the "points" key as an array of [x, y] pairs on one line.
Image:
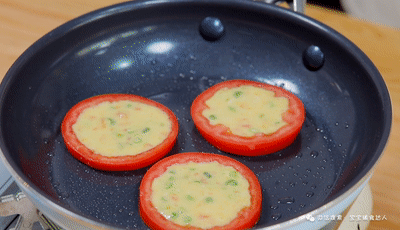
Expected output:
{"points": [[231, 182], [207, 174], [112, 121], [174, 215], [212, 117], [145, 130], [189, 197], [231, 109], [169, 185], [237, 94]]}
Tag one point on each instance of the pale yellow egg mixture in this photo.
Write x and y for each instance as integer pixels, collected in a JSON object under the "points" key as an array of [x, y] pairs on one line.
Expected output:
{"points": [[247, 110], [122, 128], [202, 195]]}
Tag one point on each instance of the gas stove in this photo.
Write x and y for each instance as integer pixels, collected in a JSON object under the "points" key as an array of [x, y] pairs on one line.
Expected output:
{"points": [[18, 213]]}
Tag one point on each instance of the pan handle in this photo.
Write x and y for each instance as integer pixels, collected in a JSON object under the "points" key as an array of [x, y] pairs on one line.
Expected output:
{"points": [[295, 5]]}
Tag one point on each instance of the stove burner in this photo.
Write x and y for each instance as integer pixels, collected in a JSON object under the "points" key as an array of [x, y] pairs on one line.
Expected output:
{"points": [[18, 213], [10, 222]]}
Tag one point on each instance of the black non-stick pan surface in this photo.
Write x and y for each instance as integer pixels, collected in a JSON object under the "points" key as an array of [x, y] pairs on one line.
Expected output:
{"points": [[156, 51]]}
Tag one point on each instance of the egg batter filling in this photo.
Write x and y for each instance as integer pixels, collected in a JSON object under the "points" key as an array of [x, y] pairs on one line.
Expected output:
{"points": [[202, 195], [247, 110], [122, 128]]}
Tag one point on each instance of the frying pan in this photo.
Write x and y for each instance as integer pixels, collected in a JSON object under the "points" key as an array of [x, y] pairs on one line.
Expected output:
{"points": [[155, 49]]}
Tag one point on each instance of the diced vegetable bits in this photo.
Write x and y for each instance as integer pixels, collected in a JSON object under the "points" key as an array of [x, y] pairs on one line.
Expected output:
{"points": [[122, 128], [247, 110], [200, 194]]}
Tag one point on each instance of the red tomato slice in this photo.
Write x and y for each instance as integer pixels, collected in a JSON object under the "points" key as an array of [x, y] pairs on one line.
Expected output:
{"points": [[247, 217], [117, 163], [260, 144]]}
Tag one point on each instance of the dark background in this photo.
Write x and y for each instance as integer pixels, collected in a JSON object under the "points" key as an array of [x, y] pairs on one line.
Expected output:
{"points": [[332, 4]]}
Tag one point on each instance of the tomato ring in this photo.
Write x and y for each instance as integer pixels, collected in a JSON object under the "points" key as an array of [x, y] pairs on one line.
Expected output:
{"points": [[247, 217], [115, 163], [260, 144]]}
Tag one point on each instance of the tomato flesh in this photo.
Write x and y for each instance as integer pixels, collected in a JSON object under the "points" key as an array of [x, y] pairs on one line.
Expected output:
{"points": [[260, 144], [247, 217], [115, 163]]}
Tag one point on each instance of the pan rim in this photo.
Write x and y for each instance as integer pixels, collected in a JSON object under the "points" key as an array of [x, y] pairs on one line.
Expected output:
{"points": [[300, 221], [119, 8]]}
